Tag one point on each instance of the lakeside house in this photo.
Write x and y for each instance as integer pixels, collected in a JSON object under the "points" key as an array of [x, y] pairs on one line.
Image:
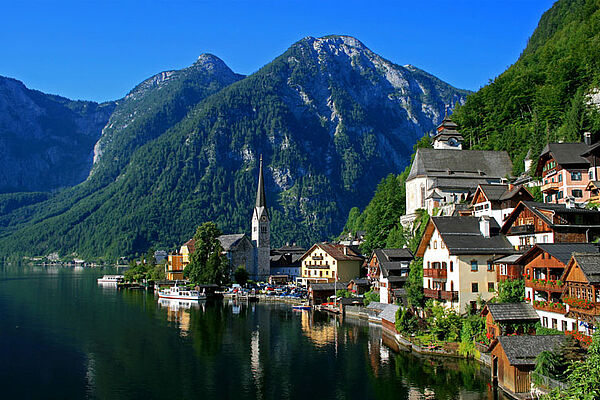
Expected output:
{"points": [[544, 267], [319, 293], [387, 270], [509, 318], [513, 358], [533, 222], [328, 262], [582, 291], [285, 261], [458, 254]]}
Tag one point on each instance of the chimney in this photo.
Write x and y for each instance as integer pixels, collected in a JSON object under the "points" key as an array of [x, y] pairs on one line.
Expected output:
{"points": [[484, 226], [587, 138]]}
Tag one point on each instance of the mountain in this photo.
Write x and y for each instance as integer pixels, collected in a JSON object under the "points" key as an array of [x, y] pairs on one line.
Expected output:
{"points": [[329, 116], [551, 93], [46, 141]]}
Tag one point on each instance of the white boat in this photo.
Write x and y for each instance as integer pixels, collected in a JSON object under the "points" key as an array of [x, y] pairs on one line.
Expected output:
{"points": [[111, 279], [181, 293]]}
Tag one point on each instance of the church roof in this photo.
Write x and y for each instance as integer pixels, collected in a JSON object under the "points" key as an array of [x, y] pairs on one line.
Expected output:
{"points": [[261, 200], [458, 165], [230, 241]]}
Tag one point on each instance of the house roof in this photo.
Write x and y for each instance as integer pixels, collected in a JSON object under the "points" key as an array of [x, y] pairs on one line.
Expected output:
{"points": [[589, 265], [460, 164], [375, 305], [336, 251], [493, 192], [510, 259], [392, 259], [522, 350], [395, 279], [556, 209], [389, 313], [561, 251], [361, 282], [461, 235], [191, 245], [565, 154], [505, 312], [228, 242]]}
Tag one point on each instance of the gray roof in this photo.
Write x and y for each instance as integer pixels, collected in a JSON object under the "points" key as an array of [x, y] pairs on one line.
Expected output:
{"points": [[590, 265], [389, 313], [461, 164], [566, 153], [563, 251], [392, 259], [230, 241], [499, 192], [395, 279], [375, 305], [522, 350], [512, 312], [590, 218], [462, 236], [360, 281], [510, 259]]}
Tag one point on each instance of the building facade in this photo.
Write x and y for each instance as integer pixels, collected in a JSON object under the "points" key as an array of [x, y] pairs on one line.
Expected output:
{"points": [[328, 262]]}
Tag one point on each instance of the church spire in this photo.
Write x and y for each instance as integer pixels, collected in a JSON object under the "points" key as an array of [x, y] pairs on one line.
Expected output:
{"points": [[260, 193]]}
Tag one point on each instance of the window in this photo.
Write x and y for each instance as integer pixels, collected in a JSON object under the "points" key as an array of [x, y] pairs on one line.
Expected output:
{"points": [[428, 264], [442, 246], [444, 266], [474, 266], [554, 323], [545, 322], [560, 178], [573, 326], [559, 195], [564, 326], [575, 176], [474, 287], [491, 287], [435, 244], [452, 268], [577, 193], [490, 266], [503, 269]]}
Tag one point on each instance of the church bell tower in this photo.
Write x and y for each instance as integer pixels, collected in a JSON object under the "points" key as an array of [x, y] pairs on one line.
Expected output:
{"points": [[261, 230]]}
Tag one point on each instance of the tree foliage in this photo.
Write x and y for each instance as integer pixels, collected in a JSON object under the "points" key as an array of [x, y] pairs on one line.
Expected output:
{"points": [[511, 291], [207, 263]]}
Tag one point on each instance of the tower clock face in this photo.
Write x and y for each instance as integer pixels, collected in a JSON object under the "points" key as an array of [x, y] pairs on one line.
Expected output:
{"points": [[453, 142], [263, 218]]}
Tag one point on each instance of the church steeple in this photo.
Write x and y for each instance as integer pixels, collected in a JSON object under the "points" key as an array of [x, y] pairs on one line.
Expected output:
{"points": [[260, 193]]}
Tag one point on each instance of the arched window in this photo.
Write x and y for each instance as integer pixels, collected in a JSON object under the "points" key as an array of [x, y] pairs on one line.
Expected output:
{"points": [[422, 196]]}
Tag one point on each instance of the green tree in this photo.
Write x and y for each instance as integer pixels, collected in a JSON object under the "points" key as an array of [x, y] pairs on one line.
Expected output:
{"points": [[406, 321], [370, 296], [241, 275], [444, 323], [511, 291], [207, 263]]}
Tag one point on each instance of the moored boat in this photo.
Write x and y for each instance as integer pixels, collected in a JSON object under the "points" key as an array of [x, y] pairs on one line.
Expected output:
{"points": [[111, 279], [181, 293], [301, 307]]}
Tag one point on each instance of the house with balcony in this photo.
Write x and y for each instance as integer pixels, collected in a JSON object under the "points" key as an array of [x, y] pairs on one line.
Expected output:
{"points": [[285, 261], [445, 175], [564, 171], [507, 267], [458, 254], [582, 291], [593, 188], [509, 318], [532, 222], [544, 266], [329, 262], [388, 269], [498, 200]]}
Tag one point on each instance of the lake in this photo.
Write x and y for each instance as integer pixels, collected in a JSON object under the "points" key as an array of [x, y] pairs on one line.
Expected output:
{"points": [[62, 336]]}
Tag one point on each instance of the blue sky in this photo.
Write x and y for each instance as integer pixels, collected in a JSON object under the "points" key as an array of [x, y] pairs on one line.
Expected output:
{"points": [[99, 50]]}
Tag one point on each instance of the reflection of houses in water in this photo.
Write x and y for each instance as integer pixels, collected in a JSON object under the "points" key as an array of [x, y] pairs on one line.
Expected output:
{"points": [[321, 334], [179, 311]]}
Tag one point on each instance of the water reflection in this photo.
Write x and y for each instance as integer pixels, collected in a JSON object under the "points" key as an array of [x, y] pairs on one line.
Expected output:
{"points": [[178, 311]]}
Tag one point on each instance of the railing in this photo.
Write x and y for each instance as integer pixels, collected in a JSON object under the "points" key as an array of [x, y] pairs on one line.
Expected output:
{"points": [[450, 296], [520, 229], [432, 293], [435, 273], [545, 284], [550, 187], [549, 306]]}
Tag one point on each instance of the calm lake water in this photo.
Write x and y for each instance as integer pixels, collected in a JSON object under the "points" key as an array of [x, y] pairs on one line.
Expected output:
{"points": [[64, 337]]}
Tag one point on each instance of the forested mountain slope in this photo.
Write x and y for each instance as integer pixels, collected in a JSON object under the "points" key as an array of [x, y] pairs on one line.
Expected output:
{"points": [[330, 117]]}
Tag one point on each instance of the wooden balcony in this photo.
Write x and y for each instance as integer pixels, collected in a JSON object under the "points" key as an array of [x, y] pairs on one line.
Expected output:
{"points": [[550, 187], [550, 306], [522, 229], [545, 285], [435, 273], [437, 294]]}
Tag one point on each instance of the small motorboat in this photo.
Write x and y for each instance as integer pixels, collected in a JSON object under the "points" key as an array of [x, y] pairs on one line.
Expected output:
{"points": [[301, 307], [181, 293], [113, 279]]}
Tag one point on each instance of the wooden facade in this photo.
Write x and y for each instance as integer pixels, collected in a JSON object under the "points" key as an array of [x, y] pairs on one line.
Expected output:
{"points": [[582, 296], [513, 378]]}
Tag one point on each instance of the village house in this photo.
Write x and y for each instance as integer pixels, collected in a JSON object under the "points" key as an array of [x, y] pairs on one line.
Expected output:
{"points": [[582, 291], [359, 286], [458, 254], [328, 262], [566, 170], [319, 293], [509, 318], [532, 222], [513, 358], [507, 267], [446, 175], [498, 200], [285, 261], [388, 269], [544, 266]]}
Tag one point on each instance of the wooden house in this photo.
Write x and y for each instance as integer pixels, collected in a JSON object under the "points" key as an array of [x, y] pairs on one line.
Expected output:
{"points": [[507, 267], [544, 266], [388, 270], [319, 293], [359, 286], [509, 318], [513, 358], [498, 200], [582, 291], [532, 222]]}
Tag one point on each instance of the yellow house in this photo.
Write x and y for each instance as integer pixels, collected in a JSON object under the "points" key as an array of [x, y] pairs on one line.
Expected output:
{"points": [[177, 262], [323, 262]]}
